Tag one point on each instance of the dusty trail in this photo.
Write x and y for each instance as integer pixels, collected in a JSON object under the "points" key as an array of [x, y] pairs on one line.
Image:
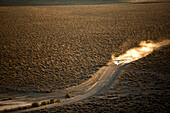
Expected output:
{"points": [[101, 80], [107, 75]]}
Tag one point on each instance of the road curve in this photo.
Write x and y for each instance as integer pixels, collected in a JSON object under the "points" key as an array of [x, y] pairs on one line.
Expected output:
{"points": [[111, 71]]}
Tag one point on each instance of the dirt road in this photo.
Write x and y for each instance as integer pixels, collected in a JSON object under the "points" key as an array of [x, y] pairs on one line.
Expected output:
{"points": [[94, 86]]}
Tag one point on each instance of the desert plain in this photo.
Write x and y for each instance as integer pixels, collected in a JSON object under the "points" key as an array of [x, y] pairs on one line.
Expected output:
{"points": [[45, 48]]}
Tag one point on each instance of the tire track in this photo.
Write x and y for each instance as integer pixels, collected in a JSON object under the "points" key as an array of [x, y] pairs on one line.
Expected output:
{"points": [[107, 79]]}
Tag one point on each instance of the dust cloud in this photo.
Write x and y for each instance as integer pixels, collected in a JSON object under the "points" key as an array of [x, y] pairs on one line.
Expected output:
{"points": [[146, 47]]}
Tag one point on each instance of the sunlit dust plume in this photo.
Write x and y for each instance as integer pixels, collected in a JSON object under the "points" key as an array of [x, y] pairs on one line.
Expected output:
{"points": [[139, 52]]}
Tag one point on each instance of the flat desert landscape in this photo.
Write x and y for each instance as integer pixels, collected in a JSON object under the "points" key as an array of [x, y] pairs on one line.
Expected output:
{"points": [[49, 49]]}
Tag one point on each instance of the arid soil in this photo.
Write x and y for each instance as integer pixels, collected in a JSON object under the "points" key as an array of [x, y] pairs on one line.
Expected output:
{"points": [[49, 47], [60, 46], [139, 89]]}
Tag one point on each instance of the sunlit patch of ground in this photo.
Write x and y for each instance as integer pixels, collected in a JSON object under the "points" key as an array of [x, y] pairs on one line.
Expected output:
{"points": [[142, 87], [144, 49]]}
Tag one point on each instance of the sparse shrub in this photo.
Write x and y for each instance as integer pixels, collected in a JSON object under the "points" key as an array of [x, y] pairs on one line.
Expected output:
{"points": [[59, 100], [20, 108], [44, 103], [52, 101], [94, 97], [48, 102], [44, 111], [35, 104], [5, 110], [68, 95], [26, 107], [10, 98], [49, 91]]}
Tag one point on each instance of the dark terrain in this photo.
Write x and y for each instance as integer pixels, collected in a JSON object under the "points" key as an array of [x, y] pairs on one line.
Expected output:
{"points": [[73, 2]]}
